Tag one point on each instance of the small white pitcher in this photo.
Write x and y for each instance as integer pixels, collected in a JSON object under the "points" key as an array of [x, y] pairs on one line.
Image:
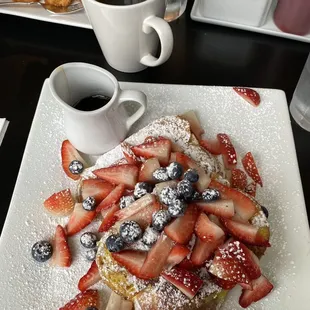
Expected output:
{"points": [[98, 131]]}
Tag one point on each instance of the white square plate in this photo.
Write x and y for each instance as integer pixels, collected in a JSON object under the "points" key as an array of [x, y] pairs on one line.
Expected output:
{"points": [[265, 131]]}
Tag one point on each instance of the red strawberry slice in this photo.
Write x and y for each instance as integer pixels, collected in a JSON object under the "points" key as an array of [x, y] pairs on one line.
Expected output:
{"points": [[143, 217], [251, 168], [109, 218], [238, 179], [186, 281], [247, 233], [228, 151], [135, 207], [97, 188], [129, 154], [186, 162], [159, 186], [244, 206], [112, 198], [132, 260], [182, 228], [147, 169], [157, 258], [187, 264], [150, 139], [61, 254], [194, 123], [121, 174], [60, 204], [177, 255], [261, 288], [251, 189], [206, 230], [248, 94], [203, 251], [212, 146], [91, 277], [84, 300], [224, 284], [222, 208], [173, 157], [79, 219], [68, 154], [160, 149]]}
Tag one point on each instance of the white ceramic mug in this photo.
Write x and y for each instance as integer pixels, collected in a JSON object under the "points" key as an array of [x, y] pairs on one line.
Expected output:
{"points": [[94, 132], [129, 34]]}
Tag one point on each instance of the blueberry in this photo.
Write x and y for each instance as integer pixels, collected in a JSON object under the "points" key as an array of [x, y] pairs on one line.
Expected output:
{"points": [[89, 203], [178, 208], [126, 201], [150, 236], [76, 167], [168, 195], [191, 175], [91, 254], [130, 231], [141, 189], [210, 194], [160, 219], [161, 175], [114, 243], [91, 308], [195, 196], [185, 189], [265, 210], [175, 170], [88, 240], [42, 251]]}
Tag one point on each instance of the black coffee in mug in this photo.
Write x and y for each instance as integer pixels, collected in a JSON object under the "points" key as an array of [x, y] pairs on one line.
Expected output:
{"points": [[121, 2], [92, 103]]}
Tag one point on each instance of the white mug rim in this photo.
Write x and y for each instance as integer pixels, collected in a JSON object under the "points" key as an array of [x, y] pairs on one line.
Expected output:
{"points": [[89, 66], [121, 7]]}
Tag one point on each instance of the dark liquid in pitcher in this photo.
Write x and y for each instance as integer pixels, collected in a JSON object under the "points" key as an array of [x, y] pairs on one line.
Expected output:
{"points": [[92, 103], [121, 2]]}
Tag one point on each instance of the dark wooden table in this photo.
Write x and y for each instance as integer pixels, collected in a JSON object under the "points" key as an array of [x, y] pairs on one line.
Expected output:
{"points": [[203, 54]]}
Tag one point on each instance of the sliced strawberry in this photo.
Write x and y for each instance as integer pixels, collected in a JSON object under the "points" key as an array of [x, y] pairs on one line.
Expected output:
{"points": [[186, 281], [68, 154], [251, 189], [238, 179], [194, 123], [161, 185], [60, 204], [61, 254], [79, 219], [212, 146], [173, 157], [224, 284], [112, 198], [135, 207], [157, 258], [132, 260], [228, 151], [213, 218], [109, 218], [129, 154], [160, 149], [147, 169], [177, 255], [175, 148], [186, 162], [83, 300], [261, 288], [206, 230], [248, 94], [203, 251], [143, 217], [244, 206], [182, 228], [222, 208], [91, 277], [150, 139], [97, 188], [251, 168], [187, 264], [247, 233], [122, 174]]}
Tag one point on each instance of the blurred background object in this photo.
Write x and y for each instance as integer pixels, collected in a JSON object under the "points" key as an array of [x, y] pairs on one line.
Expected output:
{"points": [[293, 16], [174, 9]]}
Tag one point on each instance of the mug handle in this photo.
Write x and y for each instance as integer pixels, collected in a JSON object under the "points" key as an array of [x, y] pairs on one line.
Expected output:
{"points": [[133, 96], [166, 40]]}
